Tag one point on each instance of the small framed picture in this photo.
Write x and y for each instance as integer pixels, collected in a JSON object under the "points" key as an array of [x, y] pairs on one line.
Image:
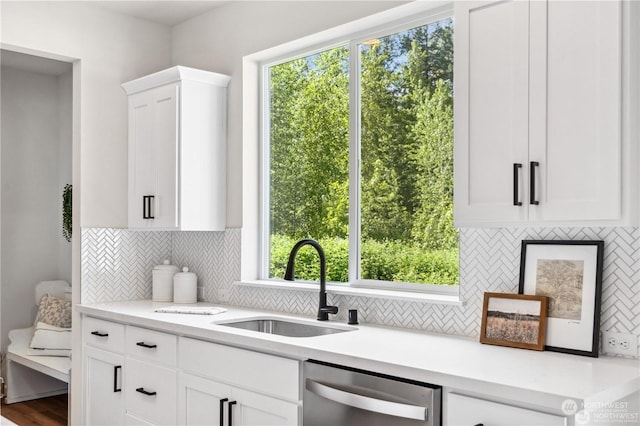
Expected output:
{"points": [[516, 320], [569, 273]]}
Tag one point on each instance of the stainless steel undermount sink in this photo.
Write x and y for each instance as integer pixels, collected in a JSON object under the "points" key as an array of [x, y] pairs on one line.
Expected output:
{"points": [[284, 327]]}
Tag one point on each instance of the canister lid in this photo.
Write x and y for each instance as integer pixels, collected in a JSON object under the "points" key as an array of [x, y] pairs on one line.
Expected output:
{"points": [[185, 274], [166, 267]]}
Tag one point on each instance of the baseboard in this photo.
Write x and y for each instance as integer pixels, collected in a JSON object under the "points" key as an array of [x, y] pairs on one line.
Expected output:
{"points": [[23, 398]]}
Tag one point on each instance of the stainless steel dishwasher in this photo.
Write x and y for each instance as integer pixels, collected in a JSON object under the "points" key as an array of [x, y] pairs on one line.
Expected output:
{"points": [[340, 396]]}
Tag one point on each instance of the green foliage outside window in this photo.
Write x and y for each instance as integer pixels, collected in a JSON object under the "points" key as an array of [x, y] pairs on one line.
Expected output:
{"points": [[406, 150]]}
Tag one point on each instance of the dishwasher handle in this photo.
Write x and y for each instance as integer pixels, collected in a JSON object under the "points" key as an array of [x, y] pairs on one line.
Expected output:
{"points": [[396, 409]]}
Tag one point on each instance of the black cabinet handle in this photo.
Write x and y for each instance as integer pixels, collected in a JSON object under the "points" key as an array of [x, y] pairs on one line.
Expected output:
{"points": [[99, 334], [146, 206], [115, 378], [146, 345], [516, 184], [146, 392], [532, 183], [479, 424], [231, 404], [222, 401]]}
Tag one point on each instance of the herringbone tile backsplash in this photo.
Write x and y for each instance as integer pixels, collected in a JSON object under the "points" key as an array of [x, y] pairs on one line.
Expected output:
{"points": [[116, 265]]}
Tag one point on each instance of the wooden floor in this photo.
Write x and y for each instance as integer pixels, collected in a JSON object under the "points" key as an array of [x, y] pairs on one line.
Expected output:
{"points": [[50, 411]]}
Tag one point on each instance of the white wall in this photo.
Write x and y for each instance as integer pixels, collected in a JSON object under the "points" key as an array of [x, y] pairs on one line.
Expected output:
{"points": [[65, 175], [112, 49], [107, 49], [33, 162], [218, 40]]}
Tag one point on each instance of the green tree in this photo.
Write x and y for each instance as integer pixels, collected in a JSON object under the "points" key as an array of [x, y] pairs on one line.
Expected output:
{"points": [[309, 145], [387, 178], [435, 44], [406, 168], [433, 130], [286, 83]]}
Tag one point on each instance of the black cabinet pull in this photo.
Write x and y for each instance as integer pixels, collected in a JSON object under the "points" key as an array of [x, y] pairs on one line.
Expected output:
{"points": [[99, 334], [516, 184], [479, 424], [532, 183], [146, 392], [222, 401], [146, 345], [231, 404], [146, 206], [115, 378]]}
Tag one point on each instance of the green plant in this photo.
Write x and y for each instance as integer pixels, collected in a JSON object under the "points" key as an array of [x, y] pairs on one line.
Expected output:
{"points": [[387, 261], [66, 211]]}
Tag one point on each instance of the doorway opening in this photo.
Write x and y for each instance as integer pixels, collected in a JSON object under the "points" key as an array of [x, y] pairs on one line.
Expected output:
{"points": [[36, 174]]}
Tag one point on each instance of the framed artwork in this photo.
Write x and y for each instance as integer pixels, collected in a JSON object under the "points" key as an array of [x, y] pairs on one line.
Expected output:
{"points": [[569, 273], [515, 320]]}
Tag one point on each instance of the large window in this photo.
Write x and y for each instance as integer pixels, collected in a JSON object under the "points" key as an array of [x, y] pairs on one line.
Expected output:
{"points": [[359, 156]]}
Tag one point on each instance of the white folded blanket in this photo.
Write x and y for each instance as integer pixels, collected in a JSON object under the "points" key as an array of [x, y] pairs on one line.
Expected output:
{"points": [[50, 340], [199, 310]]}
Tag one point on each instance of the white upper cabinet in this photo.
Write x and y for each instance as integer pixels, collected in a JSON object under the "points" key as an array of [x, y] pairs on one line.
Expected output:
{"points": [[539, 111], [177, 150]]}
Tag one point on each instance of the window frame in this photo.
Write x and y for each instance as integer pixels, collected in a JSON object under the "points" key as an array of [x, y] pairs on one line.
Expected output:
{"points": [[352, 40]]}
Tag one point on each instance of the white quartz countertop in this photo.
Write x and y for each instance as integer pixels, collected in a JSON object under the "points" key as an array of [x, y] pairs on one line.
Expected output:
{"points": [[542, 378]]}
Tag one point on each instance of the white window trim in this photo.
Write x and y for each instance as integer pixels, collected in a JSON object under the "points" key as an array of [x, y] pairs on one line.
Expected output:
{"points": [[256, 160]]}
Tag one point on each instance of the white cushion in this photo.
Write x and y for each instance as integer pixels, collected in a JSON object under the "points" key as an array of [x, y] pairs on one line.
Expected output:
{"points": [[46, 336], [48, 352]]}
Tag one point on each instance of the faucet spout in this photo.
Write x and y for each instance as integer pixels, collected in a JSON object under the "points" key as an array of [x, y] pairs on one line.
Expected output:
{"points": [[323, 309]]}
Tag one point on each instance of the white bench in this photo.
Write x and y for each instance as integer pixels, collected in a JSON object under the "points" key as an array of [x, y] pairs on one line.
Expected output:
{"points": [[31, 377]]}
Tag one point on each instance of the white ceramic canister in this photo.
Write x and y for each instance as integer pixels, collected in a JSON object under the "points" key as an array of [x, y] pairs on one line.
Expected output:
{"points": [[162, 287], [185, 287]]}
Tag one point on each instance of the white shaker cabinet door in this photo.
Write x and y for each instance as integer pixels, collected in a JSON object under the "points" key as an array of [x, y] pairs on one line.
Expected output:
{"points": [[200, 401], [491, 107], [150, 392], [103, 380], [575, 115], [254, 409], [153, 144], [207, 402], [463, 410]]}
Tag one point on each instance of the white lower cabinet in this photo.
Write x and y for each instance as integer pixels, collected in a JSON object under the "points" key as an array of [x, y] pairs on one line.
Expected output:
{"points": [[207, 402], [136, 376], [150, 392], [130, 420], [462, 410], [103, 397], [221, 385]]}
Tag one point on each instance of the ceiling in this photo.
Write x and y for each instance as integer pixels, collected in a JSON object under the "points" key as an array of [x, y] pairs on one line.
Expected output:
{"points": [[33, 63], [166, 12]]}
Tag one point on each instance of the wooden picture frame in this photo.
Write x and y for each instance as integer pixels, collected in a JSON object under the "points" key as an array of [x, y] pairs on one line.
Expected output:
{"points": [[570, 274], [515, 320]]}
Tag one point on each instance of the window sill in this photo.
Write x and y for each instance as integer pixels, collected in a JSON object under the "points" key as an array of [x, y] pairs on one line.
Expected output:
{"points": [[409, 296]]}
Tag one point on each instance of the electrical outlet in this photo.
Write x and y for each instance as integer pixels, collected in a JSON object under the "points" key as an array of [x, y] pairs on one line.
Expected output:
{"points": [[620, 343], [223, 295]]}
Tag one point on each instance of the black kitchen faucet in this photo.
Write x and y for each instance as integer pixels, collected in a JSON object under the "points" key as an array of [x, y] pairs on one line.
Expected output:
{"points": [[323, 309]]}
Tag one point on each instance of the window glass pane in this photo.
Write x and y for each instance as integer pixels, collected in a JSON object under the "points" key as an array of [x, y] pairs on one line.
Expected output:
{"points": [[309, 172], [407, 157]]}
